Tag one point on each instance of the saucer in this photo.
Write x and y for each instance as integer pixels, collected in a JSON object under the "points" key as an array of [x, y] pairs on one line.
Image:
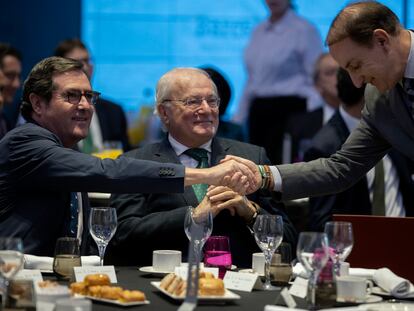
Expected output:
{"points": [[150, 269], [249, 271], [368, 299]]}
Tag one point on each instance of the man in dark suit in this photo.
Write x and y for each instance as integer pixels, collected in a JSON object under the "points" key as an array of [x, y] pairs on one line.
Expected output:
{"points": [[399, 197], [42, 177], [109, 123], [368, 41], [188, 106], [302, 127]]}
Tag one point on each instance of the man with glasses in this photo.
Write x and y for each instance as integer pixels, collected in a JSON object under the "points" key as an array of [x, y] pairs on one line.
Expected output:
{"points": [[188, 106], [42, 177]]}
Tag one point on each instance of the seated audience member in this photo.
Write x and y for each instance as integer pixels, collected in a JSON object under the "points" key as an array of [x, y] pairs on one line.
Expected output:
{"points": [[362, 198], [109, 122], [42, 177], [226, 129], [11, 65], [188, 106], [302, 127], [3, 126]]}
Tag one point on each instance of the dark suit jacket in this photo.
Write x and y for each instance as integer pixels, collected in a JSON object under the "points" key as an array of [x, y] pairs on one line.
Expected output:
{"points": [[112, 122], [37, 175], [301, 128], [355, 200], [156, 221]]}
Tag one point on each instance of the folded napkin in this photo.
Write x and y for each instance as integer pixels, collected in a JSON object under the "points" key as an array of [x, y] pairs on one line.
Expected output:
{"points": [[362, 272], [46, 263], [392, 283]]}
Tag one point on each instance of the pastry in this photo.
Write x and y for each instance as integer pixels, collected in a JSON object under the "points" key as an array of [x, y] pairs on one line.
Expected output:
{"points": [[111, 292], [97, 279], [79, 288], [175, 284], [211, 287], [94, 291], [132, 295], [166, 281]]}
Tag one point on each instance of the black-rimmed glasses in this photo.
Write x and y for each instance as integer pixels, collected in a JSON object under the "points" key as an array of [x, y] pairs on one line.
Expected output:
{"points": [[74, 96], [195, 102]]}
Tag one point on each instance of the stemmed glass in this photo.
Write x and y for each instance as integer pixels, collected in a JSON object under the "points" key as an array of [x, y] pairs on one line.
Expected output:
{"points": [[102, 226], [340, 241], [203, 220], [268, 233], [11, 261], [312, 252]]}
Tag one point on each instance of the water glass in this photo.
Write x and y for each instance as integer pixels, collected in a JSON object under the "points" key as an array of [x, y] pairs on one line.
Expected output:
{"points": [[281, 266], [217, 254], [340, 242], [67, 256], [102, 227], [312, 252], [11, 261], [268, 233]]}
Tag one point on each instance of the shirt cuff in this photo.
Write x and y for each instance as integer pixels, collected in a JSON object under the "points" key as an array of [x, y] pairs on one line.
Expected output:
{"points": [[277, 179]]}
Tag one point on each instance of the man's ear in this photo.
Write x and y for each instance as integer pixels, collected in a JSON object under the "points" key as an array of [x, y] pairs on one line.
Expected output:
{"points": [[381, 38], [36, 101], [162, 112]]}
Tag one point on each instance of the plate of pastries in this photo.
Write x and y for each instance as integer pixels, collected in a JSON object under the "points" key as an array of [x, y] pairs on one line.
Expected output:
{"points": [[210, 288], [98, 288]]}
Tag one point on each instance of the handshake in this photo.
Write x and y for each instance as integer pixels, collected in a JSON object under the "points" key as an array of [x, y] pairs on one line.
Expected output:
{"points": [[241, 175]]}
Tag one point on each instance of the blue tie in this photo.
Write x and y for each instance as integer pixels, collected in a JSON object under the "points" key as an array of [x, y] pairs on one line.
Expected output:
{"points": [[201, 156], [74, 210]]}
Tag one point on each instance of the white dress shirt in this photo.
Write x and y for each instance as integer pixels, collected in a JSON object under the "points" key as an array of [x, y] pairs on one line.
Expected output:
{"points": [[186, 160]]}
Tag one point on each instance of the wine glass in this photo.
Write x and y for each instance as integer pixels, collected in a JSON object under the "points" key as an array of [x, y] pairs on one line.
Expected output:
{"points": [[268, 233], [102, 226], [11, 261], [340, 242], [203, 220], [312, 252]]}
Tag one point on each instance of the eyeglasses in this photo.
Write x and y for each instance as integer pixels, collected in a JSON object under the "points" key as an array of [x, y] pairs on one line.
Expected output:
{"points": [[195, 102], [74, 96]]}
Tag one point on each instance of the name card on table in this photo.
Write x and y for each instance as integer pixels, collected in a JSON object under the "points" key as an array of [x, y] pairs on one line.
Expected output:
{"points": [[242, 281], [299, 287], [81, 272], [28, 274], [182, 271]]}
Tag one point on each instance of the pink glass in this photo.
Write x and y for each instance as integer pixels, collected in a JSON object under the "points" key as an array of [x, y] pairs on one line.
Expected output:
{"points": [[217, 254]]}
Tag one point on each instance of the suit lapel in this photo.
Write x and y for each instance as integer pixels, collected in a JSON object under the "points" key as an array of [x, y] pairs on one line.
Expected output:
{"points": [[219, 149], [397, 104], [166, 154]]}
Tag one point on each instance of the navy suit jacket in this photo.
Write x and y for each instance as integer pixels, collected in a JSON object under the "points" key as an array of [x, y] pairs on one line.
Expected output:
{"points": [[112, 122], [355, 200], [37, 175], [147, 222]]}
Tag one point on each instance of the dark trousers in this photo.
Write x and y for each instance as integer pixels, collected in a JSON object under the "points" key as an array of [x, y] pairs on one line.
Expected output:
{"points": [[267, 122]]}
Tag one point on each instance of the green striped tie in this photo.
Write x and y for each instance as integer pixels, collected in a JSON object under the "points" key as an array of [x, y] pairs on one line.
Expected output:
{"points": [[201, 156]]}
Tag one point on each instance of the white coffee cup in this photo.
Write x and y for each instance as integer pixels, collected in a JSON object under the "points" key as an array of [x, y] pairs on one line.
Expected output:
{"points": [[352, 288], [69, 304], [166, 260], [258, 262]]}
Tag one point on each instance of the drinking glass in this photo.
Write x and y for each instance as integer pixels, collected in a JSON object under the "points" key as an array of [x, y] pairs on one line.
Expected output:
{"points": [[102, 226], [203, 220], [281, 265], [268, 233], [312, 252], [11, 261], [217, 254], [67, 256], [340, 242]]}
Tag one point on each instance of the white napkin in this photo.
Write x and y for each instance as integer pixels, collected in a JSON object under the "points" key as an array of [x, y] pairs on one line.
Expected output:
{"points": [[392, 283], [362, 272], [281, 308], [46, 263]]}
